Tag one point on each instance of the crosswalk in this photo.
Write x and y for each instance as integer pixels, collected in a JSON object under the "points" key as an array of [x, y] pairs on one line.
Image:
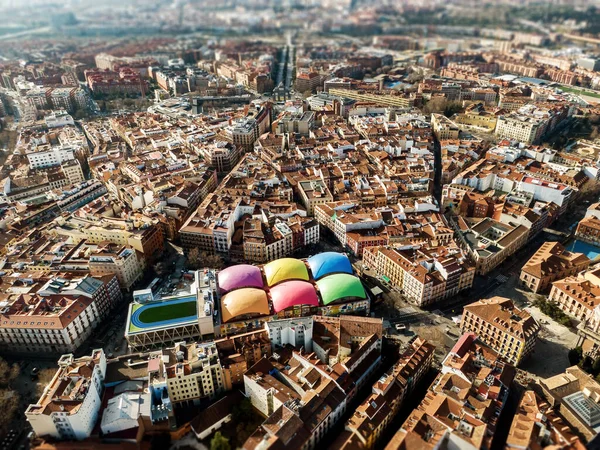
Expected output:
{"points": [[502, 278]]}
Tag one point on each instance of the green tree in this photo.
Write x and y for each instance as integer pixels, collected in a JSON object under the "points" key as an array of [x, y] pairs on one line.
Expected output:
{"points": [[219, 442], [575, 355], [452, 108], [596, 367], [586, 364], [243, 412]]}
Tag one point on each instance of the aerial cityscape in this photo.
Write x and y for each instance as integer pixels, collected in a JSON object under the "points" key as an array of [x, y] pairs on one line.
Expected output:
{"points": [[299, 224]]}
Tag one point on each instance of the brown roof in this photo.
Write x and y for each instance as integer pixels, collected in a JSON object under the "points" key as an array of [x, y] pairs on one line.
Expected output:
{"points": [[216, 412], [501, 313], [551, 258]]}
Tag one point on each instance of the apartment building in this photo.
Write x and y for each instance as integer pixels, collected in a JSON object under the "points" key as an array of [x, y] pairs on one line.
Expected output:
{"points": [[28, 185], [313, 193], [550, 263], [47, 156], [530, 123], [521, 128], [59, 317], [350, 224], [519, 67], [523, 186], [76, 196], [57, 119], [295, 122], [70, 405], [221, 155], [309, 393], [239, 352], [300, 421], [72, 171], [579, 297], [421, 277], [266, 393], [392, 99], [242, 133], [478, 118], [443, 127], [196, 375], [588, 230], [461, 408], [497, 322], [490, 242], [308, 81], [39, 325], [528, 431], [104, 290], [297, 332], [141, 233], [123, 81], [124, 262], [574, 396], [389, 392], [252, 231]]}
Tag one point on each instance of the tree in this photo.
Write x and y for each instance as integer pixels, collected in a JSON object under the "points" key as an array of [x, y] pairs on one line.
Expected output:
{"points": [[435, 105], [160, 268], [452, 108], [9, 404], [575, 355], [193, 258], [80, 114], [43, 379], [415, 77], [596, 367], [594, 119], [243, 412], [212, 261], [8, 373], [586, 364], [219, 442], [8, 139]]}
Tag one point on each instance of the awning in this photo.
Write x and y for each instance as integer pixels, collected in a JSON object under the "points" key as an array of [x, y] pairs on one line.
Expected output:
{"points": [[376, 291]]}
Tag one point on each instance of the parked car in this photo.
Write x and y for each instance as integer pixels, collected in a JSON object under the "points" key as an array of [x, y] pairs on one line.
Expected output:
{"points": [[400, 327]]}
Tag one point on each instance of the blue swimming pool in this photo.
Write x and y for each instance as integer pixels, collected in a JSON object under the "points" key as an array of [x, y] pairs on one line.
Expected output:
{"points": [[589, 250]]}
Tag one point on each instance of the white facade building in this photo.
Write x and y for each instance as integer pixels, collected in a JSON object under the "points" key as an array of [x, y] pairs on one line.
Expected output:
{"points": [[50, 156], [69, 407], [197, 374], [59, 119], [296, 332]]}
